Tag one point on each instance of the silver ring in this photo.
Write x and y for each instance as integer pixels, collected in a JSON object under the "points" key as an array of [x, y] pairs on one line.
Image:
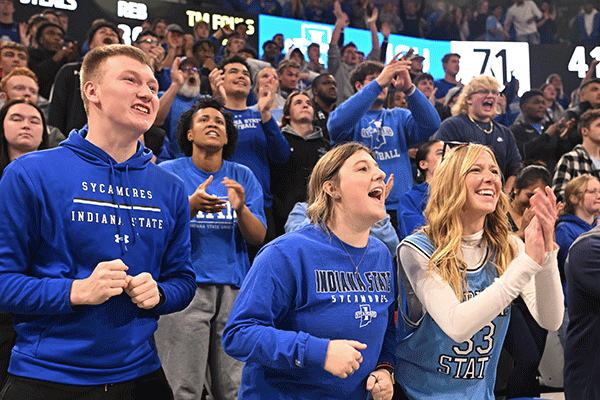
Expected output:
{"points": [[351, 372], [380, 388]]}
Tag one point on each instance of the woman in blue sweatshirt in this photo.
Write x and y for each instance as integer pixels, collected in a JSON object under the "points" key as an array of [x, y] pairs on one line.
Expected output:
{"points": [[315, 315]]}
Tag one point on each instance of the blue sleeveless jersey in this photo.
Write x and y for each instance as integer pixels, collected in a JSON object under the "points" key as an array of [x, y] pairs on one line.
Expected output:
{"points": [[431, 364]]}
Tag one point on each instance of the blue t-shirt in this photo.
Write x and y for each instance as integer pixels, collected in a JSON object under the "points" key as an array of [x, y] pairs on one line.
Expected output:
{"points": [[443, 86], [219, 253]]}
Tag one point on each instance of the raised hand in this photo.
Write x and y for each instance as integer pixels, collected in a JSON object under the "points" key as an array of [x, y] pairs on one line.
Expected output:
{"points": [[343, 357], [396, 73], [216, 80], [534, 241], [236, 194], [177, 75], [266, 95], [543, 206]]}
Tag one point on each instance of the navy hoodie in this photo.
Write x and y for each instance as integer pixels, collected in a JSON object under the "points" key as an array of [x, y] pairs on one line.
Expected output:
{"points": [[63, 211]]}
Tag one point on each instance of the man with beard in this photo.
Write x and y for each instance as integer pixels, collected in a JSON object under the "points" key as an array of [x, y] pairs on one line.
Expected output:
{"points": [[388, 132], [535, 141], [181, 95], [46, 60], [324, 93], [66, 105]]}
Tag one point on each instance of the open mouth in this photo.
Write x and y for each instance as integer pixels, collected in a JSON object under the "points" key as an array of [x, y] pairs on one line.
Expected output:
{"points": [[488, 104], [141, 108], [191, 81], [212, 133], [108, 40], [376, 193], [486, 192]]}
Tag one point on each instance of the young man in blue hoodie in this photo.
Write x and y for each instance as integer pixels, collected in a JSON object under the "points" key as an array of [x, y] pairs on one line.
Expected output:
{"points": [[94, 246]]}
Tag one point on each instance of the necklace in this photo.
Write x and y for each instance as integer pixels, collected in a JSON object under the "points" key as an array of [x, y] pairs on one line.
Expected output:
{"points": [[350, 257], [484, 130]]}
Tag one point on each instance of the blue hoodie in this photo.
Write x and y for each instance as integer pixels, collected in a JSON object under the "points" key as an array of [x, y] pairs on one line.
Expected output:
{"points": [[63, 211], [568, 228]]}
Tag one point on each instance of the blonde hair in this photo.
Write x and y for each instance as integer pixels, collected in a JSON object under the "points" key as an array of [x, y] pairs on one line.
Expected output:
{"points": [[93, 63], [320, 204], [260, 75], [476, 84], [448, 195], [576, 187]]}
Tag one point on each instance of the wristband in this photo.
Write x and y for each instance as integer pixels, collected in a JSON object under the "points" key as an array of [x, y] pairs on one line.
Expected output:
{"points": [[388, 367]]}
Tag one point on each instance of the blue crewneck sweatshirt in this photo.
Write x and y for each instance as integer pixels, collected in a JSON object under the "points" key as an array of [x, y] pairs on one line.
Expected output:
{"points": [[388, 132], [63, 211]]}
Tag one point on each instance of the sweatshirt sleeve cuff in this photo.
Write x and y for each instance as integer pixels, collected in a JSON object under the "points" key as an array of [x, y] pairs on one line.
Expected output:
{"points": [[316, 351]]}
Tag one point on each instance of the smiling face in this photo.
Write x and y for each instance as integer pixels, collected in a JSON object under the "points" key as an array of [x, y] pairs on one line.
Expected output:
{"points": [[426, 87], [590, 199], [522, 196], [23, 129], [208, 131], [483, 185], [481, 104], [236, 79], [125, 95], [361, 190]]}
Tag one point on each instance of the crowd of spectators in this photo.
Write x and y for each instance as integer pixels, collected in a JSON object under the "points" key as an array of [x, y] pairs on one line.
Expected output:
{"points": [[525, 20], [289, 108]]}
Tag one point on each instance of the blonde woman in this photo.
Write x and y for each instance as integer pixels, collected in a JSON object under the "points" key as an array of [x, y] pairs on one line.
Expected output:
{"points": [[267, 81], [315, 315], [460, 274]]}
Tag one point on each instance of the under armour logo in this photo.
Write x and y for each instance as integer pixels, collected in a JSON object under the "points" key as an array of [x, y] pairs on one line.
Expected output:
{"points": [[365, 315], [122, 239]]}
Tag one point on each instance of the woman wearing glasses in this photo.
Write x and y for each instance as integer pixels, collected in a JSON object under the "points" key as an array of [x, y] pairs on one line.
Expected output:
{"points": [[579, 215], [460, 274], [473, 122]]}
